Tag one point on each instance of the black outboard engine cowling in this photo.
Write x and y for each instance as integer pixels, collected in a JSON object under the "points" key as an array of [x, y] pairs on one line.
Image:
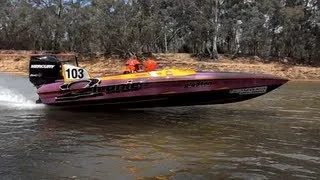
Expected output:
{"points": [[44, 69]]}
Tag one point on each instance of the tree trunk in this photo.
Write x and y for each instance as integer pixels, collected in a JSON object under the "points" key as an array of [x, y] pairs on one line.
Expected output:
{"points": [[165, 41], [316, 54], [56, 44], [216, 29]]}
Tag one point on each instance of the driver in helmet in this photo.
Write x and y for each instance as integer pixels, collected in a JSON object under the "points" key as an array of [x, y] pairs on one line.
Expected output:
{"points": [[132, 65], [150, 65]]}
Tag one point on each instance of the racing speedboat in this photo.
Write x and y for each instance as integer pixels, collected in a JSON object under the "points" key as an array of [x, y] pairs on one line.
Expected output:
{"points": [[68, 85]]}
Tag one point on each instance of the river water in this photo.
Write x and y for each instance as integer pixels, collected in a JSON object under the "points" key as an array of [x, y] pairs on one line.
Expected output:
{"points": [[275, 136]]}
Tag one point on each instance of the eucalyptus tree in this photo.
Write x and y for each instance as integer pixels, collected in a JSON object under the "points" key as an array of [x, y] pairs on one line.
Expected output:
{"points": [[266, 28]]}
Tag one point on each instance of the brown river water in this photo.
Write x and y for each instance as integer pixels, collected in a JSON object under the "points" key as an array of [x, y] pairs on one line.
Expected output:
{"points": [[275, 136]]}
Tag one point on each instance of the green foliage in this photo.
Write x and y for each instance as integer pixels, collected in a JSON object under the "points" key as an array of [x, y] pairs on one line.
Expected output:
{"points": [[267, 28]]}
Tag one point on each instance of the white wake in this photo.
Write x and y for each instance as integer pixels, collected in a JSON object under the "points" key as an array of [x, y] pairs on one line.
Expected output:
{"points": [[11, 98]]}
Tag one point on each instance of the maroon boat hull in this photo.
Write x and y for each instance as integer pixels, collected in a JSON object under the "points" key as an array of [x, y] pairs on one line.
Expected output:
{"points": [[200, 89]]}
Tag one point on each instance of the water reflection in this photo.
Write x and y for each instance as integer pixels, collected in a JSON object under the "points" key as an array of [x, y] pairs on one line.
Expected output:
{"points": [[275, 136], [186, 140]]}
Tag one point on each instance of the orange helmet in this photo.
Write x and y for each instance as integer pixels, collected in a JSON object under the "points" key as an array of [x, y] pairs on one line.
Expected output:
{"points": [[132, 62], [150, 65]]}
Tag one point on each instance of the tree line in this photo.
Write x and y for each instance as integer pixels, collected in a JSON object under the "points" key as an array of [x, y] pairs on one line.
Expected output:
{"points": [[206, 28]]}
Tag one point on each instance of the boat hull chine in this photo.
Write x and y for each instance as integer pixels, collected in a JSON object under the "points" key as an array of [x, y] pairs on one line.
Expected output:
{"points": [[167, 100]]}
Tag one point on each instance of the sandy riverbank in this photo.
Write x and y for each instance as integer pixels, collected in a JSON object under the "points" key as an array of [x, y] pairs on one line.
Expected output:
{"points": [[17, 62]]}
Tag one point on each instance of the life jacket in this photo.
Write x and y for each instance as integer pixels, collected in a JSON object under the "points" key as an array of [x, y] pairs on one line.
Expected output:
{"points": [[150, 65], [130, 69]]}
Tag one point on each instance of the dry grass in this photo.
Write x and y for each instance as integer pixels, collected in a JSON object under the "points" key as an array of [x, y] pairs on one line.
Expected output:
{"points": [[100, 66]]}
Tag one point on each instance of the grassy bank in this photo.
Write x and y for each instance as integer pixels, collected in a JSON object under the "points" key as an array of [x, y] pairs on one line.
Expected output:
{"points": [[17, 62]]}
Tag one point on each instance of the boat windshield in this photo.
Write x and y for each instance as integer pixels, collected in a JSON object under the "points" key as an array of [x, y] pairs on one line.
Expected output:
{"points": [[68, 59]]}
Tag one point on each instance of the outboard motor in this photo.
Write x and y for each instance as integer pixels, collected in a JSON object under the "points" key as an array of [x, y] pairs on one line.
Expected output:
{"points": [[44, 69]]}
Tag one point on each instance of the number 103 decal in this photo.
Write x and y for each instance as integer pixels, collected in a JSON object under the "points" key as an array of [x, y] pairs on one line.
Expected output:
{"points": [[75, 73]]}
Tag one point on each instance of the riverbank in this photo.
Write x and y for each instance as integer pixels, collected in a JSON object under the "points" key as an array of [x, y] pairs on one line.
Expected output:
{"points": [[16, 62]]}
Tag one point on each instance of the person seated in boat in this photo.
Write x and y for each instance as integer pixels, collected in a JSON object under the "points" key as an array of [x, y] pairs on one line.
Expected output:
{"points": [[150, 65], [132, 66]]}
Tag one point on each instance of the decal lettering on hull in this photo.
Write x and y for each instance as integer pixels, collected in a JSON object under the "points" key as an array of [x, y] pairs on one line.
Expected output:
{"points": [[91, 89], [120, 88], [249, 91], [198, 84], [89, 83]]}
